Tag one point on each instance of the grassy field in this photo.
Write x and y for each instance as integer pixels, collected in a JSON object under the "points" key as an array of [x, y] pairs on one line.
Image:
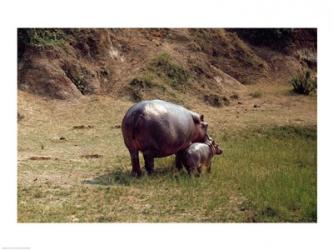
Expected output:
{"points": [[74, 167]]}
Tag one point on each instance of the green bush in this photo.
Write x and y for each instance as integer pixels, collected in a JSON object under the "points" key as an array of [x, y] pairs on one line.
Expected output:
{"points": [[304, 84], [41, 37]]}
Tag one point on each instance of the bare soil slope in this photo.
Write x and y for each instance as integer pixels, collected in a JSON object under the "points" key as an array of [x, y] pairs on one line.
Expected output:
{"points": [[208, 64]]}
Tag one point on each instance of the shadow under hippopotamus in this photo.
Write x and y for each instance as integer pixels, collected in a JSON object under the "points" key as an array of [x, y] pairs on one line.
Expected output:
{"points": [[124, 177]]}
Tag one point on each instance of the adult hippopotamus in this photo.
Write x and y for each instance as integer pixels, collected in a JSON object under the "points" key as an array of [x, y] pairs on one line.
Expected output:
{"points": [[158, 129]]}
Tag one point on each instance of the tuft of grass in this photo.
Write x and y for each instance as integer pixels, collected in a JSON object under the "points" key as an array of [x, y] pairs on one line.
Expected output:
{"points": [[256, 94], [303, 83]]}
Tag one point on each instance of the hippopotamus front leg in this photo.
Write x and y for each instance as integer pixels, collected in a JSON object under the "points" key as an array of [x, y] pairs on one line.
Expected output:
{"points": [[136, 171], [149, 163]]}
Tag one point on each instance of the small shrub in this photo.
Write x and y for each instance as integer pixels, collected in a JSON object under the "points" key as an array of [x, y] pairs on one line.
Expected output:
{"points": [[138, 86], [216, 100], [303, 83], [256, 94], [141, 83]]}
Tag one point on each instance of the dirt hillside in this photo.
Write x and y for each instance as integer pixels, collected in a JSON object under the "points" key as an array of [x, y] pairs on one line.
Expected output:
{"points": [[134, 64]]}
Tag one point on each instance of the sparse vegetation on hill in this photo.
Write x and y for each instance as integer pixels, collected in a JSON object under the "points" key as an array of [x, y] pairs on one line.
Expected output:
{"points": [[68, 63]]}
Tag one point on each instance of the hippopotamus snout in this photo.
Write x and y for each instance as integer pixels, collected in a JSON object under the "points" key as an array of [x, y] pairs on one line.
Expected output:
{"points": [[219, 150]]}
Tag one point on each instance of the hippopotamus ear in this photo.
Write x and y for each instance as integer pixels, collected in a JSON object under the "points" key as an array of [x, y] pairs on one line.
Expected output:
{"points": [[202, 117]]}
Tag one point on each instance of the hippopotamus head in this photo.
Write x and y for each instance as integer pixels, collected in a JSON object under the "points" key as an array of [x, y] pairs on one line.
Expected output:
{"points": [[201, 127], [217, 148], [214, 146], [202, 133]]}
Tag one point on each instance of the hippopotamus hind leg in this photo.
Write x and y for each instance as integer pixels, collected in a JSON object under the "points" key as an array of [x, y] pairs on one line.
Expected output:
{"points": [[149, 163], [136, 171], [191, 166]]}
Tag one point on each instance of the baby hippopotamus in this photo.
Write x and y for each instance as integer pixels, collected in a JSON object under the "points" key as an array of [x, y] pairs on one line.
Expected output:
{"points": [[198, 155]]}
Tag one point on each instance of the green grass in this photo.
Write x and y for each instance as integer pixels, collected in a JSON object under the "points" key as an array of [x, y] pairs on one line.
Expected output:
{"points": [[276, 170], [169, 70], [265, 175]]}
